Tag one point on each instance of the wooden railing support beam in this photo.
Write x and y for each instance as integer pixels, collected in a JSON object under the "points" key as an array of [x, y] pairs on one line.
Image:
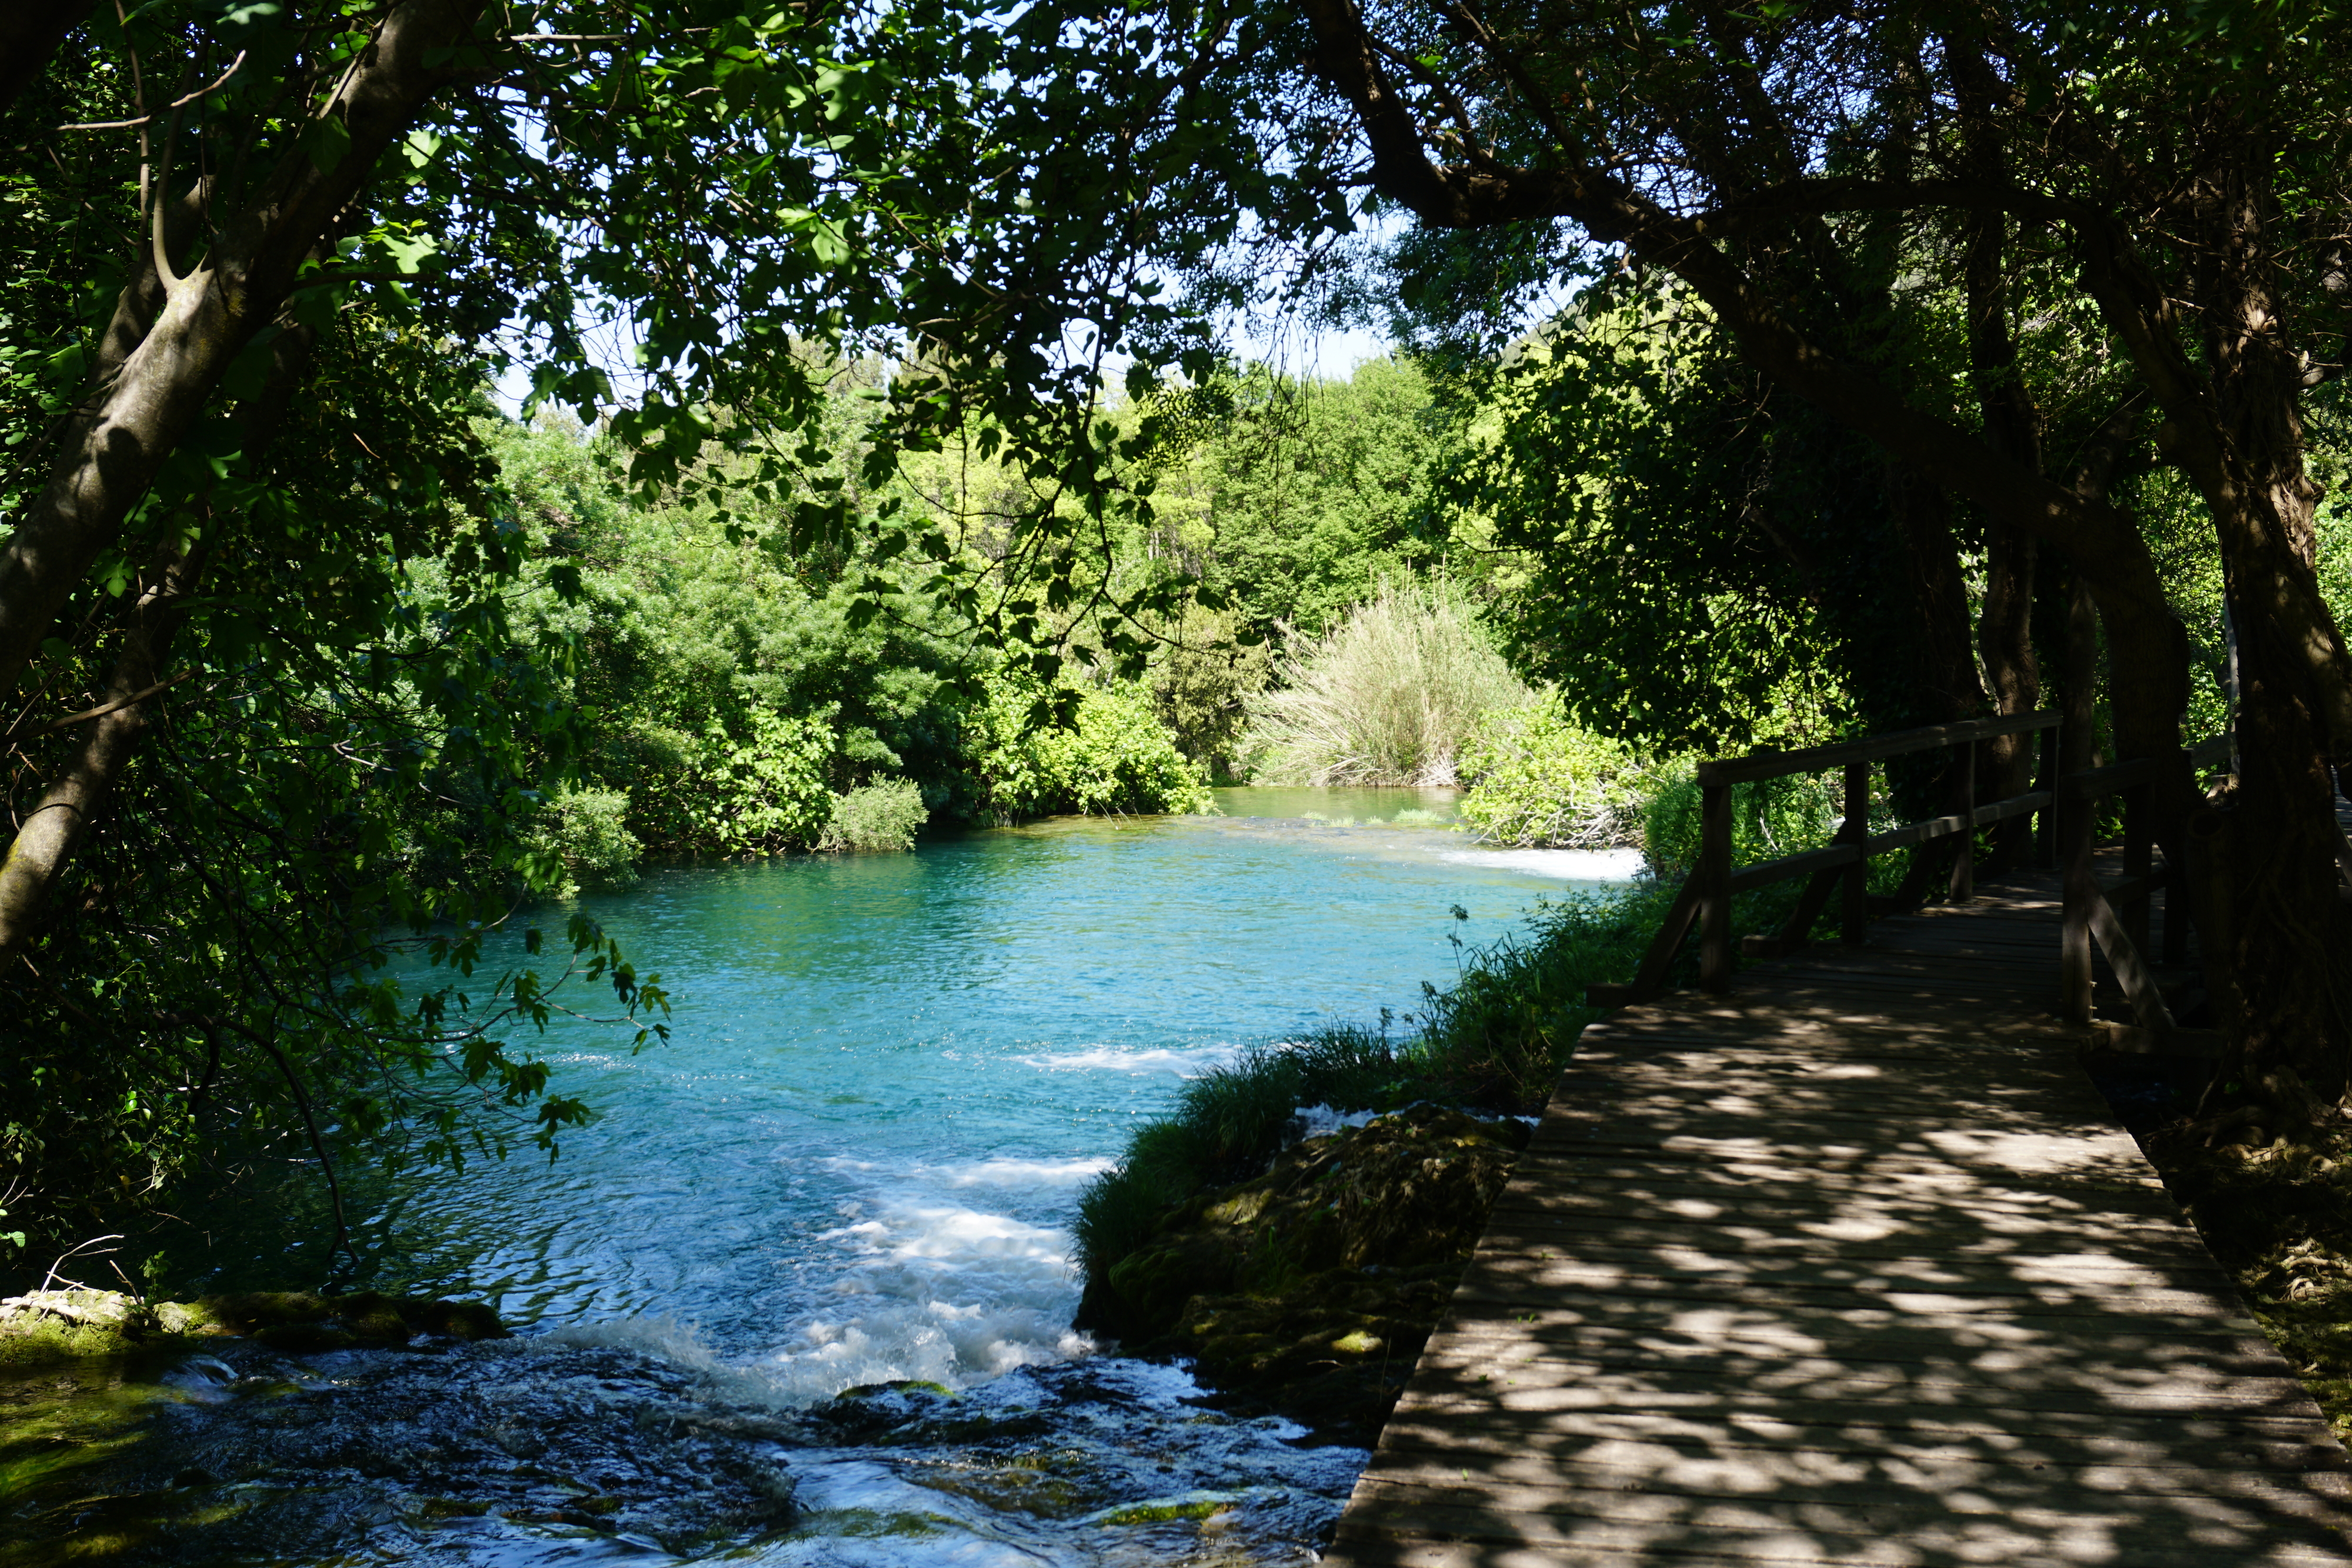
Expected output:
{"points": [[1853, 925], [1714, 887], [2075, 819], [1964, 869], [2139, 860]]}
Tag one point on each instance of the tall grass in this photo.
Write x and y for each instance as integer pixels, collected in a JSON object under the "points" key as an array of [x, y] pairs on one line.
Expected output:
{"points": [[1390, 697], [1225, 1126]]}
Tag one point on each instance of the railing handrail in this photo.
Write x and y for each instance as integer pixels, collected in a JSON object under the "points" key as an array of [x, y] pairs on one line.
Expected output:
{"points": [[1705, 900], [1760, 765]]}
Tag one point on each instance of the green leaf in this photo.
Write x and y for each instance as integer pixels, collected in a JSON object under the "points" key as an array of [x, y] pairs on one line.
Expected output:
{"points": [[326, 140]]}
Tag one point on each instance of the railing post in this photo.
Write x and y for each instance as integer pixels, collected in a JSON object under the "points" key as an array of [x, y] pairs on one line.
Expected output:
{"points": [[1714, 895], [1857, 890], [2178, 899], [2138, 861], [2045, 826], [2209, 857], [1964, 869], [2074, 934]]}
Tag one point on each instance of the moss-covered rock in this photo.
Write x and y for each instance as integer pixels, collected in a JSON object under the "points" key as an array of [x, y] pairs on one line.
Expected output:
{"points": [[43, 1325], [1310, 1291]]}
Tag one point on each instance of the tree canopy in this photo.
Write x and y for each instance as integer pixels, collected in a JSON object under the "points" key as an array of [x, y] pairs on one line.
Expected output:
{"points": [[1884, 339]]}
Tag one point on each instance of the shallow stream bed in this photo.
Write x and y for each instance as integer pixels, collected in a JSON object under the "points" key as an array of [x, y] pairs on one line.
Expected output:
{"points": [[852, 1165]]}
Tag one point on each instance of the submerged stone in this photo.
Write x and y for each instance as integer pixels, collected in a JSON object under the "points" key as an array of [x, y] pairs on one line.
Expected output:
{"points": [[43, 1325]]}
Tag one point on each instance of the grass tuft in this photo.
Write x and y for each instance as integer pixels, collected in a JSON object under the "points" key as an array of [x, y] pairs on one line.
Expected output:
{"points": [[1388, 698]]}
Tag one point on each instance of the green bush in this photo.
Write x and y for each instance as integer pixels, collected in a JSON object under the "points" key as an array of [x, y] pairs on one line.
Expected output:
{"points": [[881, 816], [1497, 1040], [1388, 698], [1118, 758], [1770, 819], [756, 785], [1537, 777], [581, 838], [1202, 687]]}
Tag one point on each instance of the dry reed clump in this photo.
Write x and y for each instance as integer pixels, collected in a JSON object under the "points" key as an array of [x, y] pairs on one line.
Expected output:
{"points": [[1390, 697]]}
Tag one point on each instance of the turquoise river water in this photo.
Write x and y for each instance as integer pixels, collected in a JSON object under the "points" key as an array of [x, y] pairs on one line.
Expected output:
{"points": [[889, 1077]]}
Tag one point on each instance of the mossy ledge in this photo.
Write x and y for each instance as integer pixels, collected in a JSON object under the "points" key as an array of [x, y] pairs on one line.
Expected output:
{"points": [[52, 1325], [1307, 1291]]}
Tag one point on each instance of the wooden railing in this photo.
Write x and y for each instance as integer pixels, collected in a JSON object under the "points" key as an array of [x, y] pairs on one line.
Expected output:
{"points": [[2117, 915], [1843, 864]]}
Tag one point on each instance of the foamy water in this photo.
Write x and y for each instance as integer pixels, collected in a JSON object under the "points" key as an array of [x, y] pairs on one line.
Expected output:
{"points": [[1187, 1063], [1567, 865]]}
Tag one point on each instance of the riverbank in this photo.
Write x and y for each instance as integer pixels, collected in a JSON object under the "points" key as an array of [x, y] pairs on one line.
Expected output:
{"points": [[1301, 1274], [853, 1165], [1225, 1237], [1308, 1291]]}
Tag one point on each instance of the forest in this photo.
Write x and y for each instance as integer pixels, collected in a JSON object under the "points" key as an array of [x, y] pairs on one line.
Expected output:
{"points": [[459, 458]]}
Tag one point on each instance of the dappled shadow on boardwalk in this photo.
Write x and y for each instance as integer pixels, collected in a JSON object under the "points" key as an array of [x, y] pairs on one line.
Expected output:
{"points": [[1849, 1266]]}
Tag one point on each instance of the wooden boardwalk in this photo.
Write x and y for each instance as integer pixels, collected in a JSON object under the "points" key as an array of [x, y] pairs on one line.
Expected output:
{"points": [[1851, 1265]]}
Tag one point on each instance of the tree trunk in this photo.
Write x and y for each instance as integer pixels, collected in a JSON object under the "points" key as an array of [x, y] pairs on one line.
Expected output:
{"points": [[44, 846], [48, 836], [2292, 962], [2004, 626]]}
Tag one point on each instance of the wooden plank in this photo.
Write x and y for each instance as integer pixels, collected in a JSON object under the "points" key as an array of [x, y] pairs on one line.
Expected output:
{"points": [[1865, 1303], [1745, 1498], [2196, 1445], [1836, 1231], [1899, 1433], [1522, 1415], [2092, 783], [1929, 829], [1788, 1257], [1613, 1330], [1368, 1547], [1857, 1070], [1726, 1163], [1681, 1084], [1890, 1059], [1849, 1266], [1822, 1035], [1582, 1527], [1464, 1538], [1658, 958], [1468, 1364], [1734, 1141], [1667, 1211], [1806, 862], [1699, 1472]]}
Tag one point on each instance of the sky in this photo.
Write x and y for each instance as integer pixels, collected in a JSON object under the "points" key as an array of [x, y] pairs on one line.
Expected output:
{"points": [[1327, 355]]}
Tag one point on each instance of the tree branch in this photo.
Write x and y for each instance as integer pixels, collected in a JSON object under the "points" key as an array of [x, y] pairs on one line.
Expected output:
{"points": [[139, 406]]}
